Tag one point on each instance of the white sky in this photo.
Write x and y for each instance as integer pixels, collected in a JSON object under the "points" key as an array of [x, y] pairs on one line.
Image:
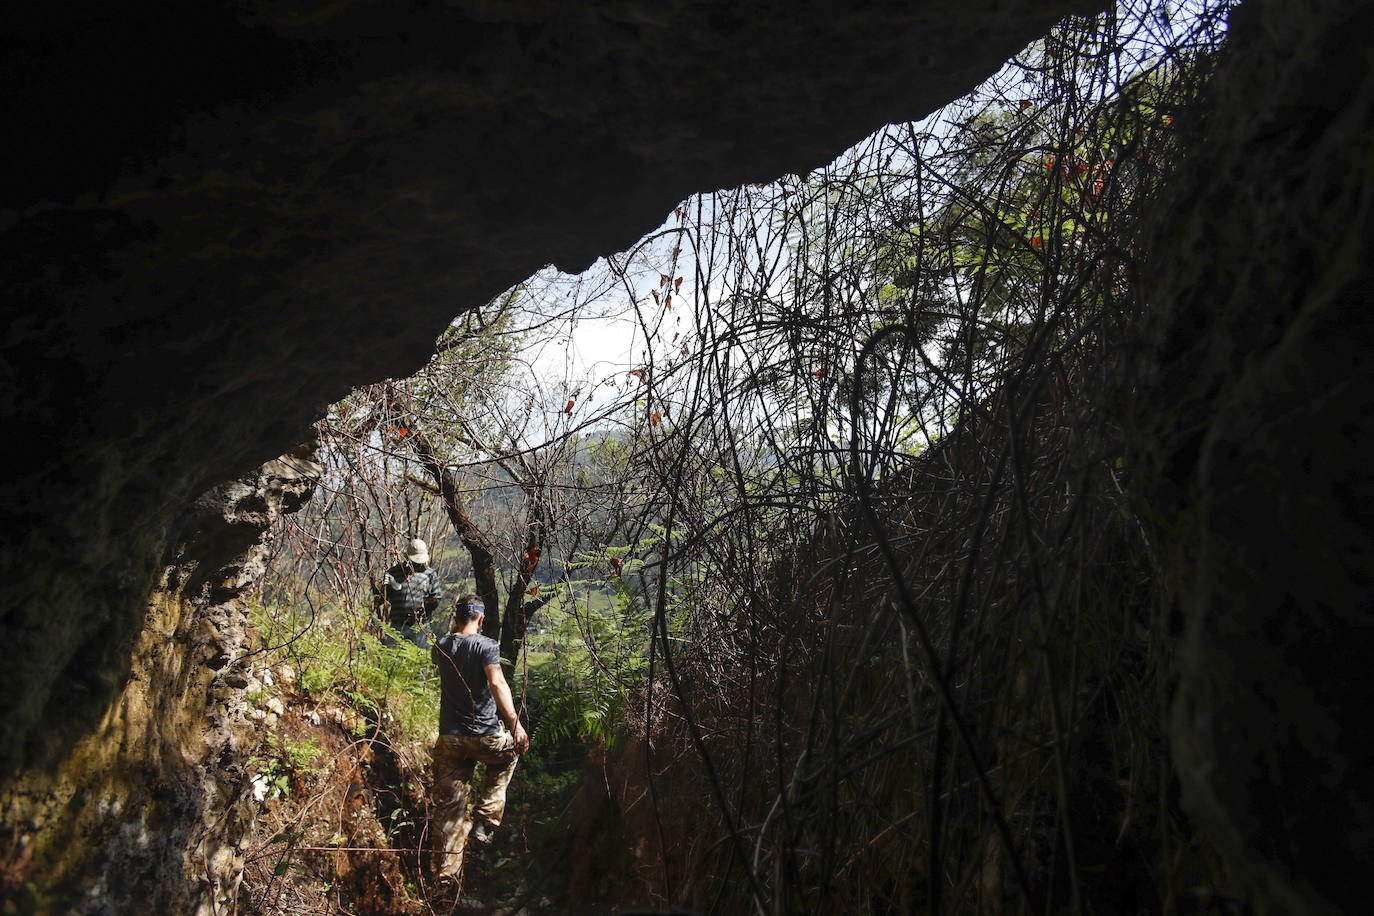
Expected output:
{"points": [[578, 359]]}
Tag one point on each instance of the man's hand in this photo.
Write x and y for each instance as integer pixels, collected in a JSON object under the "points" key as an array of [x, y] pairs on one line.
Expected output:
{"points": [[500, 692], [522, 740]]}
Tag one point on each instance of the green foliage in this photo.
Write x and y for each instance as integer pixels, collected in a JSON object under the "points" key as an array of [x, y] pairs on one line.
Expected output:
{"points": [[283, 759], [338, 655], [397, 822], [301, 755], [598, 637], [600, 655]]}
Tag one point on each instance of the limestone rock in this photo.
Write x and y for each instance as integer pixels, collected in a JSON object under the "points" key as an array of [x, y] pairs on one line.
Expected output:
{"points": [[147, 812]]}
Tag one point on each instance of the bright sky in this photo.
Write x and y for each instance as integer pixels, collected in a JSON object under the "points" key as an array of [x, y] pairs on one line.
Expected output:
{"points": [[603, 342], [592, 346]]}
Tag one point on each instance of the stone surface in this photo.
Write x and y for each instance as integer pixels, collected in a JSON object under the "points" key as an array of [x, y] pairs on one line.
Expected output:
{"points": [[223, 216], [1258, 438], [149, 811]]}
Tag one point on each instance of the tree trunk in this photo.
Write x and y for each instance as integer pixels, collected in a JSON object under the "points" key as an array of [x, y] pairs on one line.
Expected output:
{"points": [[483, 562], [517, 611], [505, 625]]}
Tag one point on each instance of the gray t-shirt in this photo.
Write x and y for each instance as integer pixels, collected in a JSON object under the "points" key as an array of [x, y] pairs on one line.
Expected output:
{"points": [[466, 706]]}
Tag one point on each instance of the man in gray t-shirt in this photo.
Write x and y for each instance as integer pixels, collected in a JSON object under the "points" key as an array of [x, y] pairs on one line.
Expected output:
{"points": [[474, 702]]}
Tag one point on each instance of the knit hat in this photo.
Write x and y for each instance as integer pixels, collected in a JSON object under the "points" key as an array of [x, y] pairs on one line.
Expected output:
{"points": [[418, 552]]}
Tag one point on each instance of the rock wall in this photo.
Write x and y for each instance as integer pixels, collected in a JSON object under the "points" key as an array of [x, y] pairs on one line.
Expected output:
{"points": [[1255, 429], [149, 811]]}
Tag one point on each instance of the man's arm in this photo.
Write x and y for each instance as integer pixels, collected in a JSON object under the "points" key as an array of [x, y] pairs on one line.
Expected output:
{"points": [[505, 707]]}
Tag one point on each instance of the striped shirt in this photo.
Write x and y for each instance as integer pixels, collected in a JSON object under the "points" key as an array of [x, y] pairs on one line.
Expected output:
{"points": [[406, 591]]}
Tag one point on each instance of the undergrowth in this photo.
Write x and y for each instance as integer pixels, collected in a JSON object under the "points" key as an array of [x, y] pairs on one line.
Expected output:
{"points": [[340, 771], [339, 652]]}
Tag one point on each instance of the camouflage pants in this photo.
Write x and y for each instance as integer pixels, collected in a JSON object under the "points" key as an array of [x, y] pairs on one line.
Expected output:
{"points": [[455, 757]]}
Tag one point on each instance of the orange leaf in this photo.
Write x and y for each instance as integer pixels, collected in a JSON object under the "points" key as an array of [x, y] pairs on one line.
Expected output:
{"points": [[677, 285], [668, 301], [658, 415], [533, 591], [663, 279], [638, 373], [1035, 242], [817, 373], [1025, 103], [568, 409], [400, 434]]}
